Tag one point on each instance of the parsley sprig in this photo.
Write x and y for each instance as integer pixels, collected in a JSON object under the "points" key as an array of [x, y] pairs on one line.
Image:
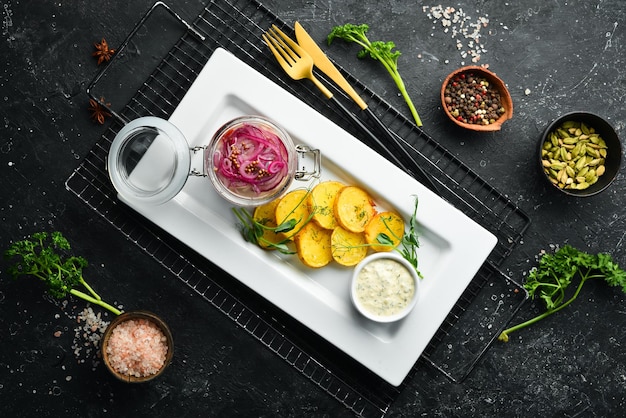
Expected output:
{"points": [[47, 257], [550, 280], [379, 51]]}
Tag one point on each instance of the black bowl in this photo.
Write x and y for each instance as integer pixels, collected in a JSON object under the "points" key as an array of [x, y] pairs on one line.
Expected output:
{"points": [[611, 162]]}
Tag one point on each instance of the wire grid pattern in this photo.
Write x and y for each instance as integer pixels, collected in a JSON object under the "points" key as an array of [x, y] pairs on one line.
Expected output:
{"points": [[237, 26]]}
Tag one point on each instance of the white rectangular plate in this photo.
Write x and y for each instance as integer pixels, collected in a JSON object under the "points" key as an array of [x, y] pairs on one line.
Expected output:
{"points": [[453, 247]]}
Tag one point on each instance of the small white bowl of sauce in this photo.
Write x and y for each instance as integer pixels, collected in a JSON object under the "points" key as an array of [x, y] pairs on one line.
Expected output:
{"points": [[385, 287]]}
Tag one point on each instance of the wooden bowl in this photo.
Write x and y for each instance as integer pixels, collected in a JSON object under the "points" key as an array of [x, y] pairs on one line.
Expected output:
{"points": [[149, 316], [494, 81]]}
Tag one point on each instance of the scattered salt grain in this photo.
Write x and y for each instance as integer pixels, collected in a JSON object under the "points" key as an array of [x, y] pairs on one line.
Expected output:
{"points": [[461, 27], [137, 347], [87, 335]]}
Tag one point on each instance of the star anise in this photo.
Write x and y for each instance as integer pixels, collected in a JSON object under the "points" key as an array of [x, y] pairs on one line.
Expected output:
{"points": [[103, 52], [98, 112]]}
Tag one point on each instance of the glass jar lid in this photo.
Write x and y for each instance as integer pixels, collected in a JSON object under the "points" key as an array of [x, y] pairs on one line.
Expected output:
{"points": [[149, 161]]}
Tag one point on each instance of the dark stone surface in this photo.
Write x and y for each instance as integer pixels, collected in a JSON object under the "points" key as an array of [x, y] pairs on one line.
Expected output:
{"points": [[555, 56]]}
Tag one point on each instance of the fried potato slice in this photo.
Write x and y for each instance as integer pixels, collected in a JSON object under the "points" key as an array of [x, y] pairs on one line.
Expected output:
{"points": [[313, 245], [292, 206], [266, 216], [389, 223], [353, 208], [321, 203], [348, 248]]}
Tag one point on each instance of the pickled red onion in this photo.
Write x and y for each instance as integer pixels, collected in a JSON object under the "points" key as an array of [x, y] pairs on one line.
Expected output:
{"points": [[250, 158]]}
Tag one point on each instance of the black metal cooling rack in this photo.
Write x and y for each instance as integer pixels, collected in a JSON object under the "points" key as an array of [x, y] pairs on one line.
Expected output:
{"points": [[170, 65]]}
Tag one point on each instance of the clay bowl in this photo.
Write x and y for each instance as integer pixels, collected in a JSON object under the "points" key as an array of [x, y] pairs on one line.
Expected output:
{"points": [[136, 315], [494, 82], [611, 162]]}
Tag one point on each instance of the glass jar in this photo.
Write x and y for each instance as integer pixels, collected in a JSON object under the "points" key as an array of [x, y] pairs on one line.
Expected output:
{"points": [[250, 161]]}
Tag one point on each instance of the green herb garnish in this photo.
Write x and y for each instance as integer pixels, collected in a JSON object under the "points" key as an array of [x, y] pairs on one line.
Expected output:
{"points": [[46, 256], [253, 229], [378, 50], [550, 280], [409, 243]]}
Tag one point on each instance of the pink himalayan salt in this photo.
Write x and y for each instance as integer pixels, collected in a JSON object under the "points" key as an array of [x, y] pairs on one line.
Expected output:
{"points": [[137, 347]]}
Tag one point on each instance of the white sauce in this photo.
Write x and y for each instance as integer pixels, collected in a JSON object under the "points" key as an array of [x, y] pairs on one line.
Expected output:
{"points": [[384, 287]]}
